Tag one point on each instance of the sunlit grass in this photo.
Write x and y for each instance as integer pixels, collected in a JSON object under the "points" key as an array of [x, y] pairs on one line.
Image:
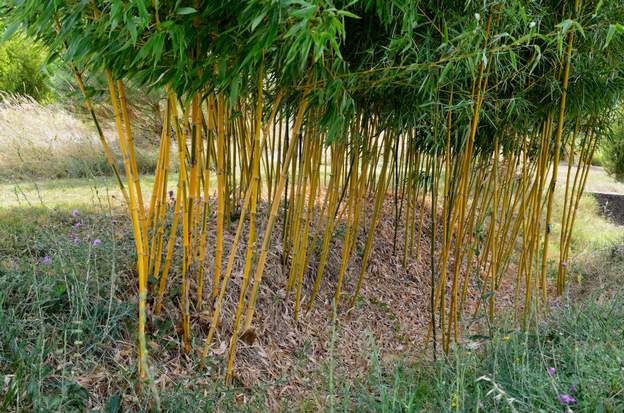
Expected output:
{"points": [[69, 192], [591, 230]]}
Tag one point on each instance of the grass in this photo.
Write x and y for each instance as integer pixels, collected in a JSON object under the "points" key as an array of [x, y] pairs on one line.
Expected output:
{"points": [[67, 317], [59, 306], [100, 191], [38, 141], [577, 351], [591, 232]]}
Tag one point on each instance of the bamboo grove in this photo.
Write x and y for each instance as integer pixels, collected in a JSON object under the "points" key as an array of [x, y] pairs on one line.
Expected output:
{"points": [[298, 120]]}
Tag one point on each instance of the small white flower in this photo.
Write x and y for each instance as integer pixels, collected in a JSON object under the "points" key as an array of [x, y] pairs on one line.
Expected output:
{"points": [[532, 25], [477, 16], [472, 345]]}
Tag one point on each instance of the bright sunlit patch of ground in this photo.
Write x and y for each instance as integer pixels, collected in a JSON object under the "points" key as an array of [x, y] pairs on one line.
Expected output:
{"points": [[70, 192], [598, 180]]}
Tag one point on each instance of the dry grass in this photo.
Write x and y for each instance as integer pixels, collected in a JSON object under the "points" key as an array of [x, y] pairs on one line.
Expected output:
{"points": [[38, 141]]}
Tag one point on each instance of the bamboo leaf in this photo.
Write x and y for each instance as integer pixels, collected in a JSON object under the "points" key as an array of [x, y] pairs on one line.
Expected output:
{"points": [[186, 10], [132, 29], [348, 14], [257, 20], [613, 29], [9, 31]]}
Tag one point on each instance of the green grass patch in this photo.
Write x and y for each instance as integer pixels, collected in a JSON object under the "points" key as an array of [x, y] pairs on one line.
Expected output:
{"points": [[95, 193], [571, 361], [60, 272]]}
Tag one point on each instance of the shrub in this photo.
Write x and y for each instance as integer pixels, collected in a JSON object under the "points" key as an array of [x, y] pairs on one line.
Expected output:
{"points": [[599, 158], [21, 62], [613, 151]]}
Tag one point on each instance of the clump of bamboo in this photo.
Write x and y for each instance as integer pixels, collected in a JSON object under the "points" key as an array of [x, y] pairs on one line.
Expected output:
{"points": [[319, 111]]}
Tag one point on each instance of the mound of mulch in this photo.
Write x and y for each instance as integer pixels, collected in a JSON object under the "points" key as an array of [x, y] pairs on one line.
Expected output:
{"points": [[291, 358]]}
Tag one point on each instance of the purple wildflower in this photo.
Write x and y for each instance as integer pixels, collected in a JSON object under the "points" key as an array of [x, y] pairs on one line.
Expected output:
{"points": [[96, 242], [46, 260], [566, 399], [78, 224], [573, 389], [551, 371], [76, 240], [114, 221], [75, 213]]}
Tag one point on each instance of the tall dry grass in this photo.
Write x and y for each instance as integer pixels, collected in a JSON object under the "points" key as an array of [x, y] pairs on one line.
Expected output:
{"points": [[49, 141]]}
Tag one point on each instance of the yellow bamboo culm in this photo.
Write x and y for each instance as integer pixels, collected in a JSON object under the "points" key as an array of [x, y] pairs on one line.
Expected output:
{"points": [[381, 189], [221, 193], [184, 208], [273, 213], [107, 150], [250, 197], [553, 180], [137, 219]]}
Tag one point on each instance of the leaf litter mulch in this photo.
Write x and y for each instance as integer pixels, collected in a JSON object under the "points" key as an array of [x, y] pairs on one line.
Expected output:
{"points": [[290, 359]]}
